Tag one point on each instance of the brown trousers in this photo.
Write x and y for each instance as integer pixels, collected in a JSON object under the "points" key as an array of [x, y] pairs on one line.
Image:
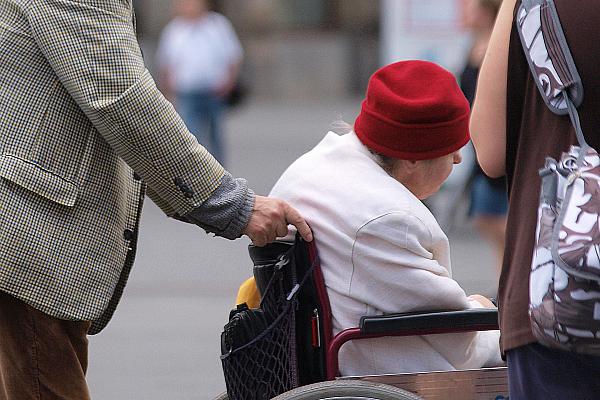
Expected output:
{"points": [[41, 357]]}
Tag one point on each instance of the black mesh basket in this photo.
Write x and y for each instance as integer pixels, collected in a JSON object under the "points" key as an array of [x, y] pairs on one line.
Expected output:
{"points": [[266, 366]]}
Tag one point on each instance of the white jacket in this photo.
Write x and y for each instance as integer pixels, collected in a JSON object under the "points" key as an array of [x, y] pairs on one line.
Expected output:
{"points": [[381, 251]]}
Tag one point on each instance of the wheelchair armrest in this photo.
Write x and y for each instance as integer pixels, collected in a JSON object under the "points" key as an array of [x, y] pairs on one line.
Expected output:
{"points": [[412, 324], [477, 319]]}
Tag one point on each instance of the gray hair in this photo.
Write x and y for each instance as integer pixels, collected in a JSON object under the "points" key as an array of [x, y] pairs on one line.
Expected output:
{"points": [[342, 127], [386, 162]]}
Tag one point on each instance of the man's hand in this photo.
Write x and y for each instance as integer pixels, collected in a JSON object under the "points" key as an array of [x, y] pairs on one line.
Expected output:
{"points": [[270, 218]]}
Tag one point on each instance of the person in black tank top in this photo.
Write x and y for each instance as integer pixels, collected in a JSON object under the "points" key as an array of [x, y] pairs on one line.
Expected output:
{"points": [[489, 202]]}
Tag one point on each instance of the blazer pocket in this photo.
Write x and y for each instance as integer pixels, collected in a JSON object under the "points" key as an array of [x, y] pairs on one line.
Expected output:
{"points": [[33, 177]]}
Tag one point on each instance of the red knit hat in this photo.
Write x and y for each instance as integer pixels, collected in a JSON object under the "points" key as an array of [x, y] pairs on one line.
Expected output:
{"points": [[414, 110]]}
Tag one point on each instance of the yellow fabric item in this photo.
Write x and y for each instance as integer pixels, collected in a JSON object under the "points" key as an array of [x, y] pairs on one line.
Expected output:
{"points": [[248, 293]]}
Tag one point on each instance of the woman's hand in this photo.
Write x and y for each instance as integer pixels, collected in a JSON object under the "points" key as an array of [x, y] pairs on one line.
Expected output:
{"points": [[484, 301]]}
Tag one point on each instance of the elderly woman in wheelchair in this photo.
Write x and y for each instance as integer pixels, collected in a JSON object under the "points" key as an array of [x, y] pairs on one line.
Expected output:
{"points": [[381, 250], [378, 302]]}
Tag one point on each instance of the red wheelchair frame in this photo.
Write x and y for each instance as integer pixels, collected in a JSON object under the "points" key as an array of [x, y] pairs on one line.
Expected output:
{"points": [[322, 348]]}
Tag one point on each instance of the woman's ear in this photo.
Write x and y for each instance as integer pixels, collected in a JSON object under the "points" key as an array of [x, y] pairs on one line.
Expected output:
{"points": [[408, 165], [403, 169]]}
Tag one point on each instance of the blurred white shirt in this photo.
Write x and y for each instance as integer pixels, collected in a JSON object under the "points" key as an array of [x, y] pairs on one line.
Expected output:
{"points": [[198, 53]]}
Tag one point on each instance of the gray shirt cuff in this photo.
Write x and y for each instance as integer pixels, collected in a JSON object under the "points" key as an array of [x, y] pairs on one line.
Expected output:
{"points": [[227, 211]]}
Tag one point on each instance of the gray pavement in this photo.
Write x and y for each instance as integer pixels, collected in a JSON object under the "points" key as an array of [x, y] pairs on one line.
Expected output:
{"points": [[164, 340]]}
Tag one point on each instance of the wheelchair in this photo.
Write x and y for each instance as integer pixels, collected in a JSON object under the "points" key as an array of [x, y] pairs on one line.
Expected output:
{"points": [[295, 354]]}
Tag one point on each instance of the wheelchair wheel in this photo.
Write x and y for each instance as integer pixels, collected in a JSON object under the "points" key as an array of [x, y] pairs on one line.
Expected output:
{"points": [[347, 390]]}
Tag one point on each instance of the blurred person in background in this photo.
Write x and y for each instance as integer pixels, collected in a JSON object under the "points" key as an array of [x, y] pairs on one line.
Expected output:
{"points": [[199, 58], [84, 135], [381, 249], [489, 200]]}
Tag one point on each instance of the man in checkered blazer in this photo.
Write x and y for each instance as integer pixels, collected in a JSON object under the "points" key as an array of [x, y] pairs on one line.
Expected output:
{"points": [[84, 133]]}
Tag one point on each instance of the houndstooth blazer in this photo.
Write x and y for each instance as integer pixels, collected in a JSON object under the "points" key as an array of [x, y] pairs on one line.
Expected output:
{"points": [[79, 113]]}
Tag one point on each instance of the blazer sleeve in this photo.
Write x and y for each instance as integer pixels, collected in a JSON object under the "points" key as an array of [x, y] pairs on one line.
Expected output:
{"points": [[92, 47], [395, 270]]}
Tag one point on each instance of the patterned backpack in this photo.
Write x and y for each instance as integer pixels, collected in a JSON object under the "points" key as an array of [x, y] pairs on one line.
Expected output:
{"points": [[564, 286]]}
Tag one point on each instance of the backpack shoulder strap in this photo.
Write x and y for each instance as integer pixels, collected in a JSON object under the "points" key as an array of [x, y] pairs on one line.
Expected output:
{"points": [[548, 55]]}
